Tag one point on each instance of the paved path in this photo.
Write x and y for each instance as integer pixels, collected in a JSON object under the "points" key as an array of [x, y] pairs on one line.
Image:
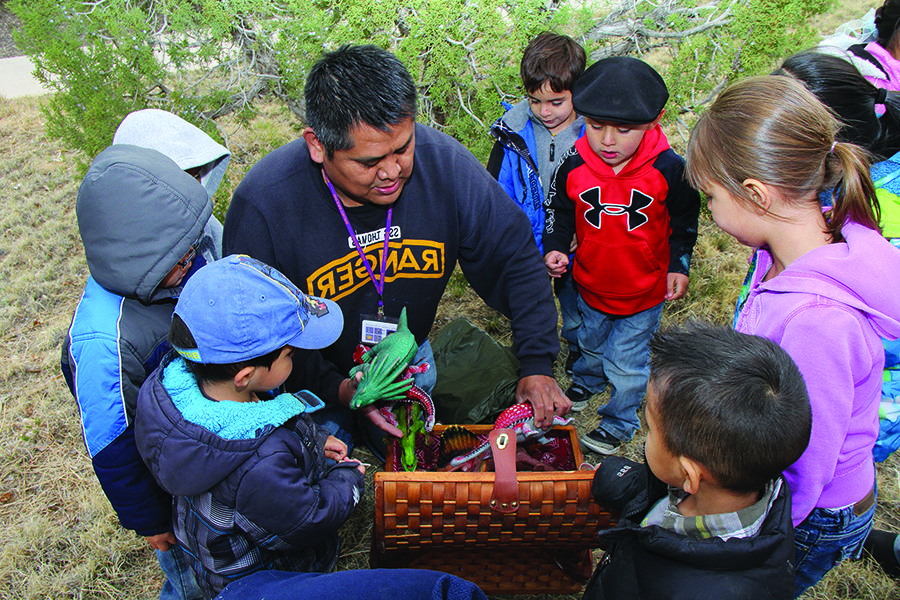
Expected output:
{"points": [[16, 79]]}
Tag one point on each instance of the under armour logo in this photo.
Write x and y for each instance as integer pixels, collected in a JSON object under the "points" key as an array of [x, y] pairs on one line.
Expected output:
{"points": [[636, 218]]}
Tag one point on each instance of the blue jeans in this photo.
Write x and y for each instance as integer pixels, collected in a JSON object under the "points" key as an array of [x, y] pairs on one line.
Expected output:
{"points": [[616, 351], [341, 422], [567, 294], [825, 538], [181, 583]]}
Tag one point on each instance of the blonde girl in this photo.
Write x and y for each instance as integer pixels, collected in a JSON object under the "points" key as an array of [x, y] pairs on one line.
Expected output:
{"points": [[823, 285]]}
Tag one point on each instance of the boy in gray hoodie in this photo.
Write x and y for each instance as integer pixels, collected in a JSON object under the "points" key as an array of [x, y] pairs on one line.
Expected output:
{"points": [[193, 151]]}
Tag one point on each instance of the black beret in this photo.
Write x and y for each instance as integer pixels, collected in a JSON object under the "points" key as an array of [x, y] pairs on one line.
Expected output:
{"points": [[621, 89]]}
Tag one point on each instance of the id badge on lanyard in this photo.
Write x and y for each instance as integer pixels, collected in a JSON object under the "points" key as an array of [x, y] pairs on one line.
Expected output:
{"points": [[373, 328]]}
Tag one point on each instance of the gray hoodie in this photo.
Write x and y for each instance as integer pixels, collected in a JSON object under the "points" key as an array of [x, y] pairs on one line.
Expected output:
{"points": [[138, 215], [190, 147]]}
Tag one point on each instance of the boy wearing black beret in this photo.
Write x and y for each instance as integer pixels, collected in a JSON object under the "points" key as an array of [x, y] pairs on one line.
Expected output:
{"points": [[621, 191]]}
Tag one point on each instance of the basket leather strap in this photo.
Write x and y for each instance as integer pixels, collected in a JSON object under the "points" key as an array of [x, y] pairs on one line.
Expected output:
{"points": [[505, 497]]}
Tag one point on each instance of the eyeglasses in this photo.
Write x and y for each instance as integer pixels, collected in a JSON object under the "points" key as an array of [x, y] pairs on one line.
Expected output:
{"points": [[191, 253]]}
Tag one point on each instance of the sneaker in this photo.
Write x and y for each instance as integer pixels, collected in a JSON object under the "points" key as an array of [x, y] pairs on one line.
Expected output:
{"points": [[574, 354], [579, 396], [601, 441]]}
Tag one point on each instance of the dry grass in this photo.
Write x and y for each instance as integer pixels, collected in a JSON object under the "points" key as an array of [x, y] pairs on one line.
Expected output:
{"points": [[62, 537]]}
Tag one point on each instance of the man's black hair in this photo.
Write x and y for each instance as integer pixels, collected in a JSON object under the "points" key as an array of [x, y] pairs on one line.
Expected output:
{"points": [[733, 402], [357, 85], [180, 337]]}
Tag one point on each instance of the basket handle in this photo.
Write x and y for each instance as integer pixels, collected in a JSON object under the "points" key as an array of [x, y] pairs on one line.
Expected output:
{"points": [[505, 497]]}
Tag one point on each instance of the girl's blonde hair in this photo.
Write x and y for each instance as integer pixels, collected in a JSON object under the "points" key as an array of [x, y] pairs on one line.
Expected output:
{"points": [[774, 130]]}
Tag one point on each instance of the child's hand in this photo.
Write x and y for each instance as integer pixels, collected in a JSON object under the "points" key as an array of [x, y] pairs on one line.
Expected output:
{"points": [[335, 449], [161, 541], [359, 466], [676, 286], [348, 388], [556, 263]]}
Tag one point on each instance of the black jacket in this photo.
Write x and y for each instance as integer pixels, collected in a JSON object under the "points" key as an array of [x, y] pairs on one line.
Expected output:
{"points": [[655, 563]]}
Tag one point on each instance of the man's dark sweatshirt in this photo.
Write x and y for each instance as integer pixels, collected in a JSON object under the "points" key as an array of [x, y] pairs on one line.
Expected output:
{"points": [[450, 210]]}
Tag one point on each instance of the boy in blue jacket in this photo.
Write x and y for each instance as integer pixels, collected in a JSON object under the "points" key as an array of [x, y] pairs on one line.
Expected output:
{"points": [[534, 135], [726, 413], [531, 140], [141, 220], [257, 484]]}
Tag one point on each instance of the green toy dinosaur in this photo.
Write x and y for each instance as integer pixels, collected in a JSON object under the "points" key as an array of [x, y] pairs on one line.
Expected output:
{"points": [[382, 366], [409, 420]]}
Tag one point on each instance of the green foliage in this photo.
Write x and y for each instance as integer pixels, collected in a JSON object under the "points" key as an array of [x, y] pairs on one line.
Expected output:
{"points": [[756, 36], [202, 59]]}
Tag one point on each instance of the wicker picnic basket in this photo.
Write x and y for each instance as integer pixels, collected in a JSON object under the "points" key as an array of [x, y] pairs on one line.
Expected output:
{"points": [[509, 532]]}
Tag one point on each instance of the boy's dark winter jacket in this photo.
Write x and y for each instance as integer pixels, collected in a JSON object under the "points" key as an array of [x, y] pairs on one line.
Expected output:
{"points": [[266, 502], [650, 563]]}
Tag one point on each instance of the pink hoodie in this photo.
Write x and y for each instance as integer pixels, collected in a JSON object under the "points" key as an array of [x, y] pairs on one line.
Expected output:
{"points": [[890, 64], [830, 309]]}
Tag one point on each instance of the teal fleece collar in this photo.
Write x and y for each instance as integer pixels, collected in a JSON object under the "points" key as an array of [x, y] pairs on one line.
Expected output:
{"points": [[230, 420]]}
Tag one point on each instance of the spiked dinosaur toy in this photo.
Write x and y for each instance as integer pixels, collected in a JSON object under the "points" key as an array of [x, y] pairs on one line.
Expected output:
{"points": [[519, 418], [387, 378]]}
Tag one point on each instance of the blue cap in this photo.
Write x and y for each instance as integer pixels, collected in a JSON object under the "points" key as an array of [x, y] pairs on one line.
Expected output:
{"points": [[239, 308]]}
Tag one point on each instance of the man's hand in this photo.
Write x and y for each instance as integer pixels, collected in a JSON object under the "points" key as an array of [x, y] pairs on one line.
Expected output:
{"points": [[556, 263], [373, 414], [335, 449], [161, 541], [545, 396], [676, 286]]}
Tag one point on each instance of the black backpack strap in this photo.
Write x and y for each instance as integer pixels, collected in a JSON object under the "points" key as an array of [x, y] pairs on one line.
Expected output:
{"points": [[860, 51]]}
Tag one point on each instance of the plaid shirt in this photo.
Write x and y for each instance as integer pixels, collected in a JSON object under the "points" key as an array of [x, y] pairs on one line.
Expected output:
{"points": [[744, 523]]}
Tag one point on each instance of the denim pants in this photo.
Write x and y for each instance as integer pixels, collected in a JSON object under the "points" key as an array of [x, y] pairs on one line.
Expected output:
{"points": [[616, 351], [341, 422], [181, 583], [825, 538], [567, 294]]}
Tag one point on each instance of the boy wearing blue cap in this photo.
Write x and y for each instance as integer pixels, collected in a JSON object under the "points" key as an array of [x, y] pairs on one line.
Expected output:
{"points": [[249, 469], [622, 192]]}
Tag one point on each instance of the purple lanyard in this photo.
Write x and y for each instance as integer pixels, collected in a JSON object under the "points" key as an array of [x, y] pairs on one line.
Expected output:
{"points": [[379, 285]]}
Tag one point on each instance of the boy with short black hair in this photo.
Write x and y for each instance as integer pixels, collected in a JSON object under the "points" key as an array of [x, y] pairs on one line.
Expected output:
{"points": [[250, 471], [622, 192], [726, 413]]}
